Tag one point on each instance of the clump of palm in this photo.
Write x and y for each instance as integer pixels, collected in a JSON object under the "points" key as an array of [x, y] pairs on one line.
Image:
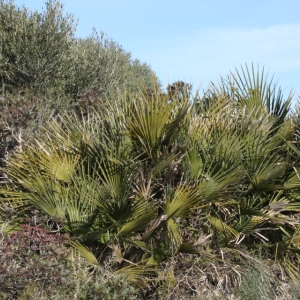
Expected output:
{"points": [[153, 176], [243, 155], [95, 176]]}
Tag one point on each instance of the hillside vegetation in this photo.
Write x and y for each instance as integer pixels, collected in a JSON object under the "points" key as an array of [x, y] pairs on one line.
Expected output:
{"points": [[112, 188]]}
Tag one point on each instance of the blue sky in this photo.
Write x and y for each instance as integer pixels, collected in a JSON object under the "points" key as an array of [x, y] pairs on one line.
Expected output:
{"points": [[198, 41]]}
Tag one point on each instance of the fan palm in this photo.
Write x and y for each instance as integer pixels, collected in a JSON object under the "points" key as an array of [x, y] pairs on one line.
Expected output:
{"points": [[97, 175], [130, 177], [240, 155]]}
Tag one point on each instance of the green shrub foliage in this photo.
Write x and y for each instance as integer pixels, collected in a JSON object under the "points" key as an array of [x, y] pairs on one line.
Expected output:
{"points": [[35, 47], [38, 51]]}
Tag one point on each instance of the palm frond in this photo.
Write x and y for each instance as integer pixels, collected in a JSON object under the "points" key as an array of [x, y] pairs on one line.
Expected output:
{"points": [[137, 274], [179, 203], [84, 251], [154, 122], [228, 232]]}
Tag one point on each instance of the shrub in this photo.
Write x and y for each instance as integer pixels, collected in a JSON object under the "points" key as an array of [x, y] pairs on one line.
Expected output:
{"points": [[35, 47]]}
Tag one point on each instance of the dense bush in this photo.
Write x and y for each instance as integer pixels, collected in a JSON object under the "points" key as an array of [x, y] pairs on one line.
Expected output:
{"points": [[35, 47], [39, 52], [100, 63]]}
